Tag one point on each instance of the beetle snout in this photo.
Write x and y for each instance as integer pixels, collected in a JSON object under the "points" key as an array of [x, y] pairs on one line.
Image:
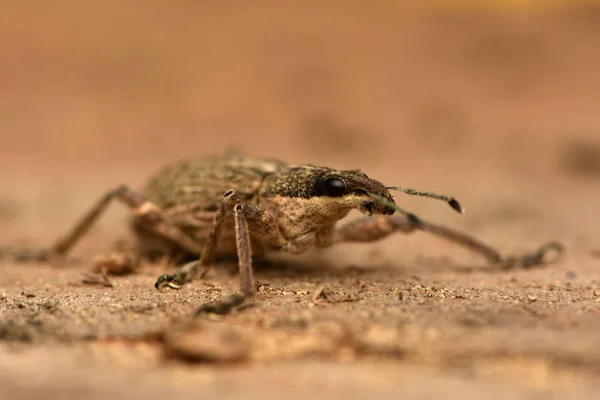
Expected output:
{"points": [[386, 207]]}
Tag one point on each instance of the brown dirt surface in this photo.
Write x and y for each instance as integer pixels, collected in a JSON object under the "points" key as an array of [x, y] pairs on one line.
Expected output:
{"points": [[496, 105]]}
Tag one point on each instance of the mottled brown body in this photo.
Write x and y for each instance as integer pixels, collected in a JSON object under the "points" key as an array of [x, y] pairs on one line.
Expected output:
{"points": [[233, 205], [190, 191]]}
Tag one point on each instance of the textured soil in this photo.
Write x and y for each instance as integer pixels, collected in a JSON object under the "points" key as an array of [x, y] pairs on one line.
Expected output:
{"points": [[496, 106]]}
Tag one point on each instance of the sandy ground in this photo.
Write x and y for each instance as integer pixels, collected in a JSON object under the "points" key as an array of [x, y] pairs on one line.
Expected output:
{"points": [[496, 106]]}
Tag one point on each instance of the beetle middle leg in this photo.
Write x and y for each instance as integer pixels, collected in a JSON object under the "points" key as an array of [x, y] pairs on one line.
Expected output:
{"points": [[250, 220], [371, 229]]}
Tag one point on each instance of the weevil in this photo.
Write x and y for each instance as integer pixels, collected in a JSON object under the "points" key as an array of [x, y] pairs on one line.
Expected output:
{"points": [[204, 207]]}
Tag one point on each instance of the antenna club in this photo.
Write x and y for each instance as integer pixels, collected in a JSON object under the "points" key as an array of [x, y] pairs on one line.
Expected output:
{"points": [[456, 206]]}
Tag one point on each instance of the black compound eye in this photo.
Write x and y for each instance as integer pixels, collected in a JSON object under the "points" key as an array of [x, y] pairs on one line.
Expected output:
{"points": [[334, 187]]}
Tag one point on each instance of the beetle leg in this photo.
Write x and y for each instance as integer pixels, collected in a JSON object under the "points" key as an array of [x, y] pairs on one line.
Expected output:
{"points": [[147, 213], [250, 220], [371, 229]]}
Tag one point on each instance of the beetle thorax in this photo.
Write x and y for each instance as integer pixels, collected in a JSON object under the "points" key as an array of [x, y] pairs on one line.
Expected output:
{"points": [[297, 216]]}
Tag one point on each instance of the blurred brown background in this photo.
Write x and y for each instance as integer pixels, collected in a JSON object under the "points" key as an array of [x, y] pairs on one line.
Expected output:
{"points": [[494, 102], [443, 96]]}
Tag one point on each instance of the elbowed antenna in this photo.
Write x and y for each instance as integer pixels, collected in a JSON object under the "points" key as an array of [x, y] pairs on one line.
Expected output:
{"points": [[450, 200]]}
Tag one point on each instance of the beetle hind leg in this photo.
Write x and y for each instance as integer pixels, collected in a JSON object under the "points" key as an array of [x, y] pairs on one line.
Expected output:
{"points": [[146, 214]]}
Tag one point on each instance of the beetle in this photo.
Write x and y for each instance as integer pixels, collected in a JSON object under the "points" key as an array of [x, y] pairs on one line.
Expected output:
{"points": [[200, 208]]}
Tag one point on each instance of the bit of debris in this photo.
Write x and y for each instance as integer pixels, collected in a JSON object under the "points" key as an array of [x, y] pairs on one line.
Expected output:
{"points": [[120, 263], [319, 293], [332, 297], [223, 306], [97, 279], [262, 286], [401, 297], [201, 341]]}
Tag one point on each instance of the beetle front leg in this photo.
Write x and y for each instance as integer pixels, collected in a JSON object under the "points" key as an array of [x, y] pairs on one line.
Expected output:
{"points": [[250, 220], [371, 229]]}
